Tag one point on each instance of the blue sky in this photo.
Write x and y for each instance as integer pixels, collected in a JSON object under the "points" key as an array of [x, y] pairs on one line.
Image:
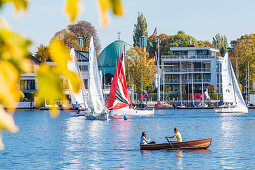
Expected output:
{"points": [[199, 18]]}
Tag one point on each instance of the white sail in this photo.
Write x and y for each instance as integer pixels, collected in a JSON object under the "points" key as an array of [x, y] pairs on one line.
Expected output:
{"points": [[96, 99], [79, 97], [231, 91]]}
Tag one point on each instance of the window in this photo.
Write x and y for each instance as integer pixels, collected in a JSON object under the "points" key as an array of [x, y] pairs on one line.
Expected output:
{"points": [[85, 81], [83, 67], [202, 52], [27, 84]]}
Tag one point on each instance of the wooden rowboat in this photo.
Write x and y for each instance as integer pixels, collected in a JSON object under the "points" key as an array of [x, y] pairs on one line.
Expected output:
{"points": [[192, 144]]}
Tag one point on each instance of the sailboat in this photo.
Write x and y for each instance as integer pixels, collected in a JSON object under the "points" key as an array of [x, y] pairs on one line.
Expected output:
{"points": [[119, 102], [96, 101], [232, 96], [80, 97]]}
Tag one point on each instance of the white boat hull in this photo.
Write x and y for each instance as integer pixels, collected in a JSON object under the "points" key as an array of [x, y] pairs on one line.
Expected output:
{"points": [[232, 110], [131, 112]]}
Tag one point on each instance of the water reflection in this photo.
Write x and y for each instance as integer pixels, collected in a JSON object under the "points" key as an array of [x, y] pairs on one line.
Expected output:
{"points": [[74, 137], [229, 136]]}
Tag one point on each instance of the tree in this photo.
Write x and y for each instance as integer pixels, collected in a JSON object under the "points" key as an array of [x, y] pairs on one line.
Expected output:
{"points": [[221, 43], [68, 38], [42, 53], [153, 44], [243, 54], [208, 44], [183, 40], [138, 72], [85, 30], [14, 61], [140, 29]]}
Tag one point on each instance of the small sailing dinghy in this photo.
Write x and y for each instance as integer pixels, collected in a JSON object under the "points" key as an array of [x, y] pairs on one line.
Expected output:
{"points": [[232, 96], [96, 101], [80, 97], [119, 102]]}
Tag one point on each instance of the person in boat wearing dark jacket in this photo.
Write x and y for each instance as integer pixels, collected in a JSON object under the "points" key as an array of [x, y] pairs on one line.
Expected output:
{"points": [[177, 135], [145, 141]]}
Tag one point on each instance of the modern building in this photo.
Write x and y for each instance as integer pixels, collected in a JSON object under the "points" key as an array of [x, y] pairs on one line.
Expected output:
{"points": [[192, 67]]}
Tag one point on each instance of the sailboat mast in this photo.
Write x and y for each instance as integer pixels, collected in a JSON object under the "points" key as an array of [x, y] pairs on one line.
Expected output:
{"points": [[192, 90], [158, 95], [247, 98], [231, 71]]}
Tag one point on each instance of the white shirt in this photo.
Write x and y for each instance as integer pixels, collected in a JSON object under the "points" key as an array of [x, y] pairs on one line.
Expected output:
{"points": [[143, 141]]}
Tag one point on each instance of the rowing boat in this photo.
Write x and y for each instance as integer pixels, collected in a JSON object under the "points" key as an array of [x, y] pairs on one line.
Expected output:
{"points": [[192, 144]]}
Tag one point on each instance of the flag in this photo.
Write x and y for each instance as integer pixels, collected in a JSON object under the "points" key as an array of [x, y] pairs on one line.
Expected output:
{"points": [[155, 32], [151, 60], [145, 92]]}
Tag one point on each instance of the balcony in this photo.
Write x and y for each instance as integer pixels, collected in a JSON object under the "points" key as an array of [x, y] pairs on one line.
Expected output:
{"points": [[187, 81], [170, 69], [167, 57]]}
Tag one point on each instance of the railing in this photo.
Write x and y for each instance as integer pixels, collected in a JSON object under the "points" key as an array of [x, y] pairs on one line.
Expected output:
{"points": [[170, 69], [187, 81], [188, 57]]}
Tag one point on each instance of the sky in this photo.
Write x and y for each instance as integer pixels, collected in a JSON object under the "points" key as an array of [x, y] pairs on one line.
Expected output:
{"points": [[201, 19]]}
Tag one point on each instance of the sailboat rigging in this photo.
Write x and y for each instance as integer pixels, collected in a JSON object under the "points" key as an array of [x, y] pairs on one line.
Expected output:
{"points": [[232, 96]]}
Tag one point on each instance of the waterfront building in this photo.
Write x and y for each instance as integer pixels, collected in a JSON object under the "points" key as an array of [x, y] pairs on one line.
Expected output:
{"points": [[189, 67], [28, 81]]}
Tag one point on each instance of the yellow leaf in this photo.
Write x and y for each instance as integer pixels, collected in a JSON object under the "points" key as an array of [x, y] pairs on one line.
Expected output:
{"points": [[50, 88], [18, 4], [9, 92], [59, 54], [7, 122], [14, 49], [114, 5], [1, 143], [75, 81], [72, 9]]}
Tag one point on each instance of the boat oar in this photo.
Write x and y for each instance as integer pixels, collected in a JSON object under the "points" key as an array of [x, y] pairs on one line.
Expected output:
{"points": [[169, 143]]}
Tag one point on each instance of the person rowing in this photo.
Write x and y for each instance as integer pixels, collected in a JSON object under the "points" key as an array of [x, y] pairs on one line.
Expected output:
{"points": [[177, 135], [145, 141]]}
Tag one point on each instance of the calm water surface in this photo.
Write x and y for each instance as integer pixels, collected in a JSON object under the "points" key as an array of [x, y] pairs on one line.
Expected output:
{"points": [[69, 142]]}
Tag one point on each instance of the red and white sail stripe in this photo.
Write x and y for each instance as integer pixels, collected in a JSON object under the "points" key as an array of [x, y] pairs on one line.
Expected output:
{"points": [[119, 97]]}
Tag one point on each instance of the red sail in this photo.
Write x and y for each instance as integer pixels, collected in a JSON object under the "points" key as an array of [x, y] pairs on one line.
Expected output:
{"points": [[119, 97]]}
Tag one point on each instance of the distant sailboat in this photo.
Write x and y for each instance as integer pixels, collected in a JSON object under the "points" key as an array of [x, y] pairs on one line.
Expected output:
{"points": [[119, 102], [80, 97], [232, 96], [96, 101]]}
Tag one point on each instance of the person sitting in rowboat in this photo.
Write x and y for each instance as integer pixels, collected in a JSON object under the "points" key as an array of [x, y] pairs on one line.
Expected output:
{"points": [[177, 135], [145, 141]]}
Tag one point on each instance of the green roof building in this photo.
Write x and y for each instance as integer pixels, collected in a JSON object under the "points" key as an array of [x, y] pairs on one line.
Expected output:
{"points": [[109, 57]]}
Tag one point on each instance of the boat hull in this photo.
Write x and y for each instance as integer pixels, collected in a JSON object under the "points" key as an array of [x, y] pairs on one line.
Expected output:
{"points": [[100, 116], [194, 144], [232, 110], [131, 112]]}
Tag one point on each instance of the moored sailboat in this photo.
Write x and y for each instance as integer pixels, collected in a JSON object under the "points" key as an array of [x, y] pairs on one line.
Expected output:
{"points": [[232, 96], [119, 102]]}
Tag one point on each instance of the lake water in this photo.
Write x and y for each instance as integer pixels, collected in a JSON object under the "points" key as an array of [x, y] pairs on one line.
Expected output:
{"points": [[70, 142]]}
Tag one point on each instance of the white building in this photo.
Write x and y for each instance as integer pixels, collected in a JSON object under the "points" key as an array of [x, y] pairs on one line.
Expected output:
{"points": [[201, 63], [28, 81]]}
